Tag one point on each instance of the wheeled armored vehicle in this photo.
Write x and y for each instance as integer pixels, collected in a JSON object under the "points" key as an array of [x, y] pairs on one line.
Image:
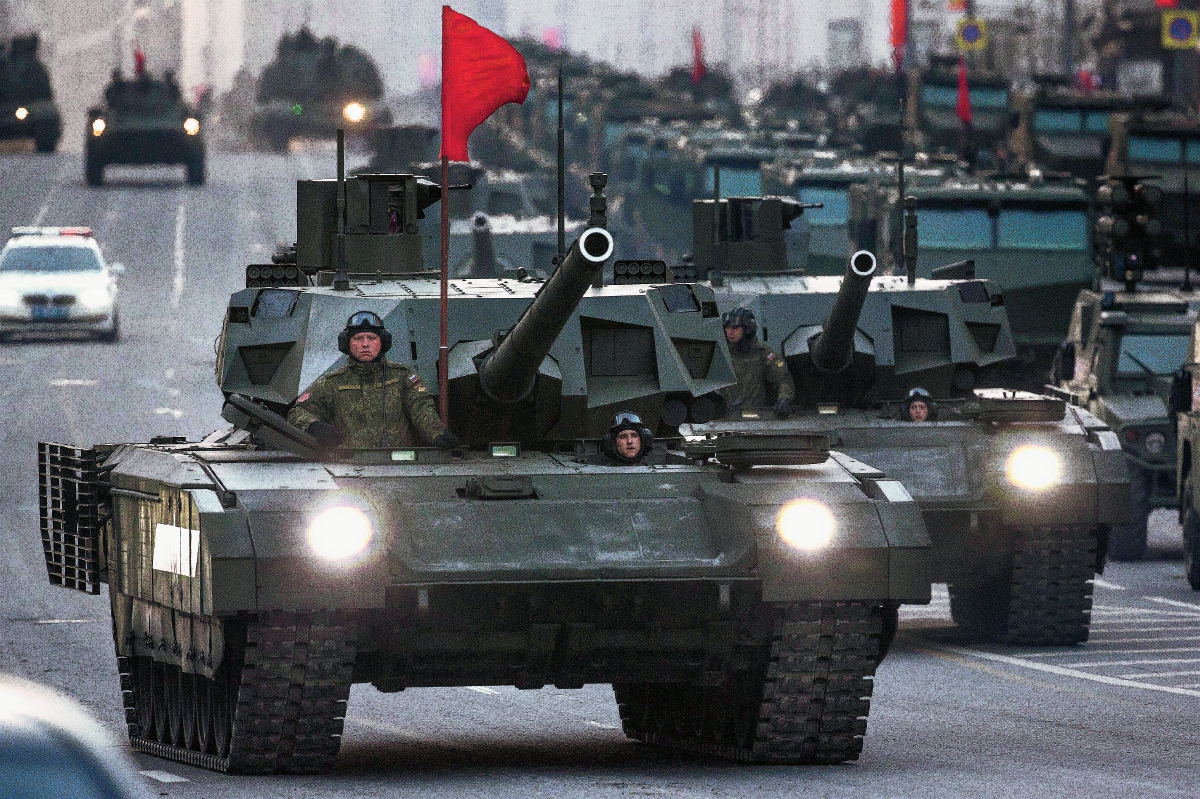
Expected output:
{"points": [[27, 107], [1018, 490], [737, 592], [143, 121]]}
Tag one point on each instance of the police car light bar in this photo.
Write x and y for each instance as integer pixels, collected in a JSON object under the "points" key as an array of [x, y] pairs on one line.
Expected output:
{"points": [[31, 230]]}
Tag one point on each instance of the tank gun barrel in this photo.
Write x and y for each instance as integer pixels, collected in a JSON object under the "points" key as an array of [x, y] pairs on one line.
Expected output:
{"points": [[508, 373], [483, 263], [834, 346]]}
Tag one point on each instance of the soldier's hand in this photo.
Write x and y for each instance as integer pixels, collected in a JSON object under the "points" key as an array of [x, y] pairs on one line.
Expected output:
{"points": [[783, 408], [329, 436], [446, 440]]}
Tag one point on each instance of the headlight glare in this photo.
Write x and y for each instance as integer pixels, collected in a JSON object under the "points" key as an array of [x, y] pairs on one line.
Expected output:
{"points": [[9, 298], [191, 126], [340, 533], [95, 297], [805, 524], [1033, 467], [354, 112], [97, 127], [22, 112]]}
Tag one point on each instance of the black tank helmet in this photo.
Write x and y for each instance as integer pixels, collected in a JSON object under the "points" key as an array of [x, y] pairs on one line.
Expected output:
{"points": [[627, 420], [365, 322], [744, 318], [919, 394]]}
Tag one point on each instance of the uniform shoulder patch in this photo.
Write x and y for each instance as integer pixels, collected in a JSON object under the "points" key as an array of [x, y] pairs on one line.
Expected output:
{"points": [[414, 378], [770, 356], [303, 397]]}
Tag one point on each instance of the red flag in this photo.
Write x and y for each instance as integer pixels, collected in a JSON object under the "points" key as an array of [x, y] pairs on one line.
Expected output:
{"points": [[698, 70], [899, 37], [139, 62], [964, 93], [480, 73]]}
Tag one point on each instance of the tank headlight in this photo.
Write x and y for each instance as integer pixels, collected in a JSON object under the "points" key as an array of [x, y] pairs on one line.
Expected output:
{"points": [[22, 112], [354, 112], [340, 532], [97, 127], [1155, 443], [805, 524], [191, 126], [1033, 467]]}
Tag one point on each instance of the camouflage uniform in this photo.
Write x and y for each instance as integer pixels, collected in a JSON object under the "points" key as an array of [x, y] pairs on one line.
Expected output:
{"points": [[353, 399], [754, 368]]}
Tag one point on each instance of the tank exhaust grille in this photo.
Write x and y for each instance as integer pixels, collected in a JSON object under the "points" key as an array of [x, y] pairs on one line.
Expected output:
{"points": [[69, 505]]}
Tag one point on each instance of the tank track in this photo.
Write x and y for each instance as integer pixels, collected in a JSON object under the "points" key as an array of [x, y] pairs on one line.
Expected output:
{"points": [[284, 693], [1047, 600], [804, 700]]}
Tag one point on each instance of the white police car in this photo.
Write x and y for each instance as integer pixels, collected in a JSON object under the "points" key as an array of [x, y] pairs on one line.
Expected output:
{"points": [[55, 281]]}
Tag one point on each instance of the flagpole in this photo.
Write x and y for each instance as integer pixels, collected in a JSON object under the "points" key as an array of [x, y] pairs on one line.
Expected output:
{"points": [[444, 331]]}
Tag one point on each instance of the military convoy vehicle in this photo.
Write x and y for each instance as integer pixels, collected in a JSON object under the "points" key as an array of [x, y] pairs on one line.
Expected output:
{"points": [[1018, 490], [1119, 361], [737, 591], [143, 121], [931, 113], [27, 108], [1185, 408], [1031, 237], [312, 88]]}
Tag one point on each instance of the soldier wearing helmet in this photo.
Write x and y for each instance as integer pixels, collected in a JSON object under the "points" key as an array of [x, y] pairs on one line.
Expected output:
{"points": [[371, 401], [756, 366], [628, 441], [919, 406]]}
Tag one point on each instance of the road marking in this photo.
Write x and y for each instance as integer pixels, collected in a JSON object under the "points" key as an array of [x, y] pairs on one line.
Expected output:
{"points": [[180, 229], [163, 776], [1103, 663], [1106, 584], [601, 726], [479, 689], [1173, 603], [60, 382], [1064, 672], [45, 209], [68, 621], [168, 411], [1148, 675], [1109, 641], [1184, 625], [1069, 652]]}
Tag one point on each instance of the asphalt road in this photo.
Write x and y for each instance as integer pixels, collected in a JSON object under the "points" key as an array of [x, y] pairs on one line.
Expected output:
{"points": [[1115, 717]]}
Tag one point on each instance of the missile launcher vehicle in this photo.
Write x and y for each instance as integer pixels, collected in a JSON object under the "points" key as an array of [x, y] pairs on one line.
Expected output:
{"points": [[1018, 490], [143, 121], [737, 591], [27, 107]]}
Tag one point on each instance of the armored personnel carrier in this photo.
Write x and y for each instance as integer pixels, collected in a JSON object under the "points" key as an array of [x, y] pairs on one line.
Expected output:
{"points": [[736, 591], [1119, 361], [932, 102], [1031, 237], [27, 108], [312, 88], [1018, 490], [143, 121]]}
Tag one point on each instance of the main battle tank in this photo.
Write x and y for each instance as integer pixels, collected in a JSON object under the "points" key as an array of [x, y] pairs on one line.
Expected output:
{"points": [[1018, 490], [143, 121], [737, 591], [27, 108], [313, 87]]}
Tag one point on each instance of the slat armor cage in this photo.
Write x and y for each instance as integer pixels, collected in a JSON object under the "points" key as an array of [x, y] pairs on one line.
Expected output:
{"points": [[69, 504]]}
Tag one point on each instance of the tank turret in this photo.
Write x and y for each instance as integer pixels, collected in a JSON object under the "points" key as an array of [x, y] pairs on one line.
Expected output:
{"points": [[832, 350], [483, 262], [750, 235]]}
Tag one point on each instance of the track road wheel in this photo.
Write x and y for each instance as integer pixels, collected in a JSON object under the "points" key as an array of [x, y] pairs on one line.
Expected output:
{"points": [[195, 171], [93, 171], [1191, 538], [801, 697], [1128, 541]]}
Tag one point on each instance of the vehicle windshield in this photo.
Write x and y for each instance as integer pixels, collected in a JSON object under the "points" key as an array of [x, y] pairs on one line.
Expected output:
{"points": [[1096, 122], [1057, 121], [735, 182], [49, 259], [1150, 148], [1025, 229], [836, 205], [956, 229], [947, 97], [1162, 353]]}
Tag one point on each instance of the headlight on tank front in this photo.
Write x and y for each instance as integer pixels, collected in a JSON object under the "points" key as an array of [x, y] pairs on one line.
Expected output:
{"points": [[340, 533], [98, 127], [805, 524], [1155, 443], [191, 126], [1033, 467], [354, 112], [22, 113]]}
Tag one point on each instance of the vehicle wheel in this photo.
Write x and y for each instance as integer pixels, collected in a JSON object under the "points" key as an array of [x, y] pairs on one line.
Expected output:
{"points": [[159, 701], [1128, 541], [110, 336], [1191, 538], [189, 707], [981, 610], [45, 139], [890, 619], [143, 694], [94, 172], [195, 171]]}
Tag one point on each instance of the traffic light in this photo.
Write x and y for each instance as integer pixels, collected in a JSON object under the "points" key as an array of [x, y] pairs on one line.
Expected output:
{"points": [[1127, 228]]}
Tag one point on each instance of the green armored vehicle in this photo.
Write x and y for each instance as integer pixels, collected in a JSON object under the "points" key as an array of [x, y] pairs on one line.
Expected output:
{"points": [[143, 121], [1185, 408], [738, 591], [1118, 361], [1018, 490], [1031, 237], [27, 108], [932, 103]]}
